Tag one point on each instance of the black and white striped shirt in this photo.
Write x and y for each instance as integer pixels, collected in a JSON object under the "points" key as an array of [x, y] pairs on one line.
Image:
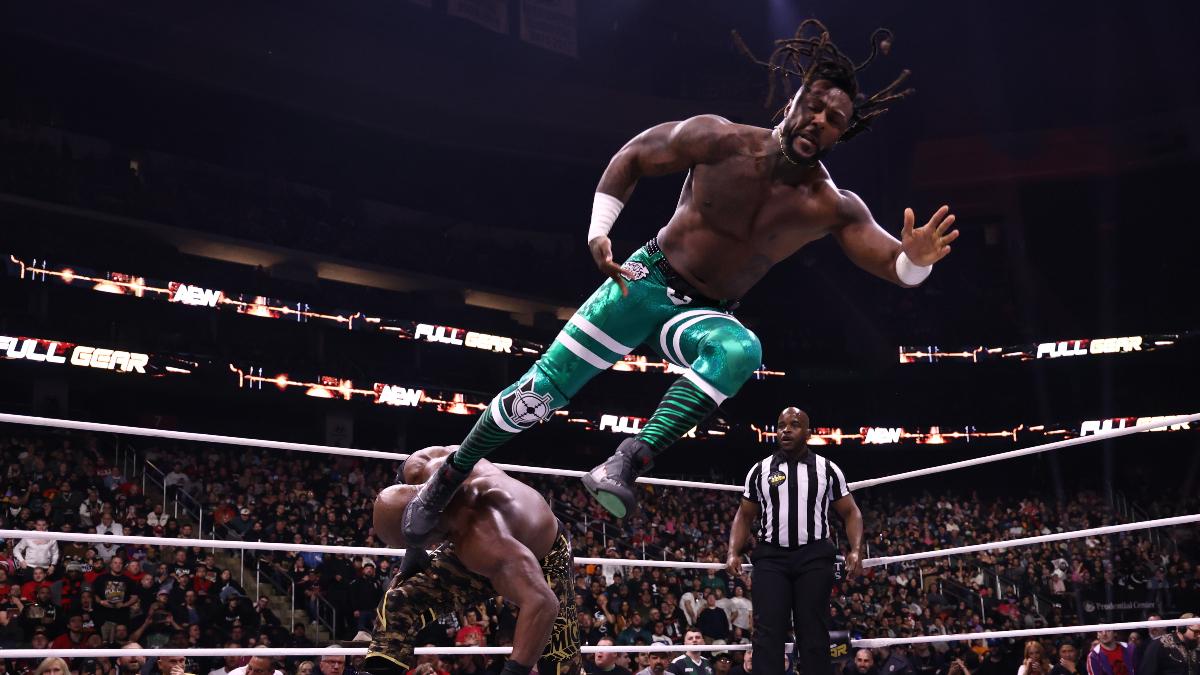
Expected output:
{"points": [[793, 497]]}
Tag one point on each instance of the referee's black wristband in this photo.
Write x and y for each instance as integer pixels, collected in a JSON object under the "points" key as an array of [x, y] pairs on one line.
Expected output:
{"points": [[511, 667]]}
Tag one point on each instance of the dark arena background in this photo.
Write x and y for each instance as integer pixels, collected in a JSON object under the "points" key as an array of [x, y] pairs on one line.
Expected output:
{"points": [[352, 224]]}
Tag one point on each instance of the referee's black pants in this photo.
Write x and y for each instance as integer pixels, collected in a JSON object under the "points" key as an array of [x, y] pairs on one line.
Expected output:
{"points": [[795, 582]]}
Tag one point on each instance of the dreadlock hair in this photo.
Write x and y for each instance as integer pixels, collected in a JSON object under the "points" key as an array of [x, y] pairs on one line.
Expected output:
{"points": [[809, 58]]}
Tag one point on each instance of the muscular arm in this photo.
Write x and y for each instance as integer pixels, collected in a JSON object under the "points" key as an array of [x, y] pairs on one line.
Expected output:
{"points": [[847, 509], [866, 243], [514, 571], [660, 150]]}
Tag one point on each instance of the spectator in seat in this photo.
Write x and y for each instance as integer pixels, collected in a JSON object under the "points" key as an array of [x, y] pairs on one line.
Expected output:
{"points": [[365, 593], [32, 553], [429, 664], [74, 638], [656, 664], [692, 662], [230, 663], [746, 666], [1110, 657], [605, 663], [1068, 660], [1174, 653], [130, 665], [862, 664], [634, 633], [712, 620], [39, 581], [257, 665], [1034, 661]]}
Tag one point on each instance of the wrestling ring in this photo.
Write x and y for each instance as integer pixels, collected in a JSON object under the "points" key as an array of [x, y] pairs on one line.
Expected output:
{"points": [[511, 468]]}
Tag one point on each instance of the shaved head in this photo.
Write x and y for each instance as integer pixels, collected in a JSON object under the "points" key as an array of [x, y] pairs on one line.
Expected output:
{"points": [[793, 410]]}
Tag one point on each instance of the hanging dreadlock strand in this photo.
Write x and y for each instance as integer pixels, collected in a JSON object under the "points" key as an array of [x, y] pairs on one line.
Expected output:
{"points": [[811, 55], [881, 43]]}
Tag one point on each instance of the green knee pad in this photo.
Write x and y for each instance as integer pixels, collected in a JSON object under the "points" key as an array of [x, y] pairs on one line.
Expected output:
{"points": [[529, 400], [726, 355]]}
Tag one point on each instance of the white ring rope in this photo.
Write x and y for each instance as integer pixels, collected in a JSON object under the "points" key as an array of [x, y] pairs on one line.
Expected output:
{"points": [[568, 473], [88, 537], [866, 643], [309, 447], [1029, 541], [988, 635], [339, 651], [1158, 423]]}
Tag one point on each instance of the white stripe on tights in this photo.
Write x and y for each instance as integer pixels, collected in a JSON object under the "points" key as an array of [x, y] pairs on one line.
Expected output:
{"points": [[598, 335], [498, 417], [582, 352], [688, 324], [682, 316], [705, 387]]}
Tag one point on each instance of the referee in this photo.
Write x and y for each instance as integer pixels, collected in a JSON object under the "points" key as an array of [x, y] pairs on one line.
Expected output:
{"points": [[787, 500]]}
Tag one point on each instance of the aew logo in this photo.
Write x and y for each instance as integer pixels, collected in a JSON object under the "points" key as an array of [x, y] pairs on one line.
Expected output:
{"points": [[882, 435], [526, 407], [194, 295], [392, 394]]}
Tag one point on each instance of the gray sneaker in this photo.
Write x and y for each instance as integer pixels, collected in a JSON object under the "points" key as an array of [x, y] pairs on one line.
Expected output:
{"points": [[612, 482]]}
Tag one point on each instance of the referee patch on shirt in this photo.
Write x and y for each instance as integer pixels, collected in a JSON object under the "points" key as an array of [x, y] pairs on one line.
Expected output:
{"points": [[776, 478]]}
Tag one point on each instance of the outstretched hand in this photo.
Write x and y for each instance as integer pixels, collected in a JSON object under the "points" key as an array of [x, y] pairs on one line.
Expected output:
{"points": [[601, 248], [929, 243]]}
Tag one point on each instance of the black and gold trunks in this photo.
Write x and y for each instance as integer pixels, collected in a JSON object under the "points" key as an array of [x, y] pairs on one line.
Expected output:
{"points": [[446, 585]]}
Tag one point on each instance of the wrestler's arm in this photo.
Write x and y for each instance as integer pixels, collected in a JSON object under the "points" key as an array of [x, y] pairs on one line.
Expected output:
{"points": [[517, 575], [870, 246], [667, 148], [739, 534], [657, 151], [847, 510]]}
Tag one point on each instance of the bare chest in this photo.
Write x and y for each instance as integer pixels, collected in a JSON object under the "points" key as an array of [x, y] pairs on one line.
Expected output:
{"points": [[737, 199]]}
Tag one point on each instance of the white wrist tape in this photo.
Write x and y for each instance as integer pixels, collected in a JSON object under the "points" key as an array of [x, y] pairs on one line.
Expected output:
{"points": [[909, 273], [605, 209]]}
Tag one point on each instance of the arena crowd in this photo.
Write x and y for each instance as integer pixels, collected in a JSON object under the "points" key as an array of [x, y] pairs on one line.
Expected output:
{"points": [[72, 595]]}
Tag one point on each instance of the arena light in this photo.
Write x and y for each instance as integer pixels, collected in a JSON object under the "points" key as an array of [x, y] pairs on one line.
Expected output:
{"points": [[1056, 349], [200, 296]]}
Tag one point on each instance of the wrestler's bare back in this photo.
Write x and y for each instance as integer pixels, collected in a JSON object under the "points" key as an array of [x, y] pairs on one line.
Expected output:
{"points": [[489, 506]]}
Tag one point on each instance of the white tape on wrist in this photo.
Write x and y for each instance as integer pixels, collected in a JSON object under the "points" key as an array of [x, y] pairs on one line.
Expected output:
{"points": [[605, 209], [909, 273]]}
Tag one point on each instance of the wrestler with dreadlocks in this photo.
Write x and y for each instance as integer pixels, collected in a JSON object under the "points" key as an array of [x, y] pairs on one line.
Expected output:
{"points": [[752, 198]]}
